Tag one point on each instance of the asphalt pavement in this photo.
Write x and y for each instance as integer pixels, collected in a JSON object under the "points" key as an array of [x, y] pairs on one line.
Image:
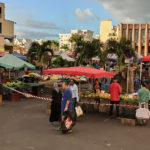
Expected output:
{"points": [[24, 126]]}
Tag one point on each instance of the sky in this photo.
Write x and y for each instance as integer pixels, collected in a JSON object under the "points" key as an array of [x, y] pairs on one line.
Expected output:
{"points": [[45, 19]]}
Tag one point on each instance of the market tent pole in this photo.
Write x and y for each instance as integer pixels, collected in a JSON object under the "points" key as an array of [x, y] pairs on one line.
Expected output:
{"points": [[141, 67], [128, 69], [9, 73]]}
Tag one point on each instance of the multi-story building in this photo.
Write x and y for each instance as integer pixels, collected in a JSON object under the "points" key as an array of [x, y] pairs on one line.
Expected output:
{"points": [[139, 34], [108, 31], [64, 38], [6, 31], [97, 37]]}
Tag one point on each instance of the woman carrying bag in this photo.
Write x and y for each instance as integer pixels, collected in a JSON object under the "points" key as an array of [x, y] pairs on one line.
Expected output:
{"points": [[142, 114]]}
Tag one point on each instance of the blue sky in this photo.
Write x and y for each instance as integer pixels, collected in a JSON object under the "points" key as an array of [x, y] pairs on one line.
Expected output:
{"points": [[47, 18]]}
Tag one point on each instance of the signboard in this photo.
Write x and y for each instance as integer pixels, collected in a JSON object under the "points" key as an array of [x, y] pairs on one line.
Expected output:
{"points": [[128, 61]]}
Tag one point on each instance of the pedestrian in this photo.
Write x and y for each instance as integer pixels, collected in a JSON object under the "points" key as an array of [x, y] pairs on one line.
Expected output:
{"points": [[56, 104], [66, 108], [115, 92], [75, 98], [97, 86], [143, 99], [144, 94]]}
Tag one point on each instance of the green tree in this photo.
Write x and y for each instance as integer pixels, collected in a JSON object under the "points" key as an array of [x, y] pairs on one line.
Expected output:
{"points": [[60, 62], [65, 47], [120, 48], [43, 53], [33, 51], [87, 49]]}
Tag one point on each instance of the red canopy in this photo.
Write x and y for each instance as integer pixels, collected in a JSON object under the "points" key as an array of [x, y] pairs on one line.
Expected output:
{"points": [[80, 71], [146, 58]]}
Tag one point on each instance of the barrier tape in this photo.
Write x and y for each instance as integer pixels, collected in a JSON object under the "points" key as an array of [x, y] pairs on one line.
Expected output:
{"points": [[29, 95], [88, 103]]}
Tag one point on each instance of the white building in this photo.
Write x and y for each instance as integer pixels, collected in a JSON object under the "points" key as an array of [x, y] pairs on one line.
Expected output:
{"points": [[97, 36], [64, 38], [24, 43], [40, 41]]}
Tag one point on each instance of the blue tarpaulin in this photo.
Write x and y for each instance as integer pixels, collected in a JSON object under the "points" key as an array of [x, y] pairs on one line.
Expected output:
{"points": [[20, 56]]}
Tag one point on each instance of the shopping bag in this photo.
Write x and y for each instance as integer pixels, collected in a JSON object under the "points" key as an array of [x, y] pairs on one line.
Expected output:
{"points": [[142, 113], [66, 122], [79, 111]]}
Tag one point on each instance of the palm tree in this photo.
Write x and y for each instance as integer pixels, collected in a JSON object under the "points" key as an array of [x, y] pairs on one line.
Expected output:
{"points": [[65, 47], [121, 49], [45, 54], [33, 51]]}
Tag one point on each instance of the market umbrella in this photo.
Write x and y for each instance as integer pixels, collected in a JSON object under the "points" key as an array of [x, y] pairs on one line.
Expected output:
{"points": [[65, 56], [19, 55], [80, 71], [146, 58], [12, 62]]}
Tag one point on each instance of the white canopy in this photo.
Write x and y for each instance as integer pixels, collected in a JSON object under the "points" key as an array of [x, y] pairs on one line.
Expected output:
{"points": [[64, 56]]}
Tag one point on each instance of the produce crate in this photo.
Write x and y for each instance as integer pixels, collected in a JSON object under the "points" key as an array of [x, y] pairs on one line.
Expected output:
{"points": [[127, 121], [14, 96]]}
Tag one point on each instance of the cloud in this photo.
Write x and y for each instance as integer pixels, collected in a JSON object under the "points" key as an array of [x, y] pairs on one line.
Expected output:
{"points": [[37, 24], [83, 15], [128, 11], [34, 34]]}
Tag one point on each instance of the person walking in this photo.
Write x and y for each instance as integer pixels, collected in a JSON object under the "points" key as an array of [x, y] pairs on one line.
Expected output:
{"points": [[144, 94], [56, 104], [143, 99], [115, 92], [75, 98], [66, 109]]}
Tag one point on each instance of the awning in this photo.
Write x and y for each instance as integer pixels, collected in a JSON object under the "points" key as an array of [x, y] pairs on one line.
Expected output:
{"points": [[19, 55], [65, 56], [146, 58], [12, 62], [80, 71]]}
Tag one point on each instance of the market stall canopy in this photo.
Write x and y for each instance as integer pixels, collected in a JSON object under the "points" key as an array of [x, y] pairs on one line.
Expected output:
{"points": [[64, 56], [80, 71], [146, 58], [3, 54], [112, 57], [19, 55], [12, 62]]}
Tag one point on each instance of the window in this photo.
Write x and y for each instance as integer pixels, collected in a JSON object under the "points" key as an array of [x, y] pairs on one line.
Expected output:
{"points": [[149, 50], [130, 34], [0, 27], [136, 35], [0, 12], [149, 35], [143, 49], [143, 35], [124, 33]]}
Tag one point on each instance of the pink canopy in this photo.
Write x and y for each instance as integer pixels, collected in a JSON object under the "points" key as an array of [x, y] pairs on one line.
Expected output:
{"points": [[146, 58], [80, 71]]}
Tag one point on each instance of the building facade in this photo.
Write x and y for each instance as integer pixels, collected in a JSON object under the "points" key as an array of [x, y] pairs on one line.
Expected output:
{"points": [[108, 31], [6, 31], [139, 34], [64, 38]]}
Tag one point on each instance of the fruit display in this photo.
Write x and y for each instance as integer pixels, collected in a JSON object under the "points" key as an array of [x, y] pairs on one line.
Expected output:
{"points": [[35, 75], [14, 84], [106, 96], [94, 95]]}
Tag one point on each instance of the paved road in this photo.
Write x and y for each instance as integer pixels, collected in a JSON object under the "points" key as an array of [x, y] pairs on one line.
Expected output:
{"points": [[24, 126]]}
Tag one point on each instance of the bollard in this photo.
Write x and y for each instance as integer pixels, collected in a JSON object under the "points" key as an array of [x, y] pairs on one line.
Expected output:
{"points": [[1, 102]]}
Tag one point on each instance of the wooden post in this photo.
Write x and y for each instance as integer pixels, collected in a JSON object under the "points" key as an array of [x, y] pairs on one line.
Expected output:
{"points": [[128, 77], [141, 66]]}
